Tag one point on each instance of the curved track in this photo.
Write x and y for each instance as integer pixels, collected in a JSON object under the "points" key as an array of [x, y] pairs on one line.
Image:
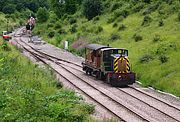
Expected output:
{"points": [[105, 94]]}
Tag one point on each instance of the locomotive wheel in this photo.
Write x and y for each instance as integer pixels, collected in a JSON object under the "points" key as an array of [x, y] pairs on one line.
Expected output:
{"points": [[88, 72], [98, 75]]}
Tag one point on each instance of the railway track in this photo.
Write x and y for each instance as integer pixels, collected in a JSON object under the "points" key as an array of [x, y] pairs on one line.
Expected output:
{"points": [[117, 112], [106, 94]]}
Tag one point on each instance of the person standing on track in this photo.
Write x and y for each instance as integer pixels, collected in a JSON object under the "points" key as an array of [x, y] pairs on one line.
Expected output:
{"points": [[29, 27], [30, 24]]}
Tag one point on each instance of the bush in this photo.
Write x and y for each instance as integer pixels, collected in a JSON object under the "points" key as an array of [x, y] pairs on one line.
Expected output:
{"points": [[92, 8], [161, 23], [21, 22], [163, 58], [73, 29], [138, 7], [147, 19], [57, 25], [42, 14], [137, 37], [5, 46], [150, 9], [120, 19], [50, 25], [72, 21], [120, 12], [51, 34], [115, 25], [115, 6], [58, 38], [121, 27], [156, 38], [9, 9], [145, 58], [111, 20], [114, 37], [99, 29], [62, 31], [164, 47], [96, 18]]}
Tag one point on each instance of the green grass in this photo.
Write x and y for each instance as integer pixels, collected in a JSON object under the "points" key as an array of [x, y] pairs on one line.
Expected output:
{"points": [[161, 75], [30, 93]]}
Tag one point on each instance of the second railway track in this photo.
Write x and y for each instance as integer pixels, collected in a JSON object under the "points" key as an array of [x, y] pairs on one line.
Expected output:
{"points": [[105, 95]]}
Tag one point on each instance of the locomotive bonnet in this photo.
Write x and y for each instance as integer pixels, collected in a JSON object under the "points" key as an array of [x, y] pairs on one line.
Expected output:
{"points": [[109, 64]]}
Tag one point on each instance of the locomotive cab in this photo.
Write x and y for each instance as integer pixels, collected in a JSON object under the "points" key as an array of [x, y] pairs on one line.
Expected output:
{"points": [[109, 64]]}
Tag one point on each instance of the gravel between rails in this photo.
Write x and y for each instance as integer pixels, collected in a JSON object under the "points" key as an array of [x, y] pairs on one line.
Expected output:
{"points": [[96, 94], [49, 49]]}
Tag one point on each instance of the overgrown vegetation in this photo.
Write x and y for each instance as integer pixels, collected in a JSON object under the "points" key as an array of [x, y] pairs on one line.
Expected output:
{"points": [[29, 92], [149, 29], [146, 28]]}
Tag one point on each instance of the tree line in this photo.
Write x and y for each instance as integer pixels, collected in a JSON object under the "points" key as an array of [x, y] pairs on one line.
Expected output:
{"points": [[61, 8]]}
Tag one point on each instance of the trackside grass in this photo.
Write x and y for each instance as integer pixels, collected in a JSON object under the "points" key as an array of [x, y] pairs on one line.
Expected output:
{"points": [[29, 93], [150, 33]]}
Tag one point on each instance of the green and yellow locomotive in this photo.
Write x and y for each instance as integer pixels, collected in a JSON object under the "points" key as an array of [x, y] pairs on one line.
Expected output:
{"points": [[109, 64]]}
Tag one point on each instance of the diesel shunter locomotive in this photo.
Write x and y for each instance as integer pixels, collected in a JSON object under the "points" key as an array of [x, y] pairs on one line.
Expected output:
{"points": [[109, 64]]}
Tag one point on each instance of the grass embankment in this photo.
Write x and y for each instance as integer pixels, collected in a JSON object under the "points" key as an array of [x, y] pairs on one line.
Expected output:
{"points": [[149, 31], [29, 93]]}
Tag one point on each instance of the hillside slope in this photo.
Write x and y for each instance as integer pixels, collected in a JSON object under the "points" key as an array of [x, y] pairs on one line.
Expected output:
{"points": [[150, 31]]}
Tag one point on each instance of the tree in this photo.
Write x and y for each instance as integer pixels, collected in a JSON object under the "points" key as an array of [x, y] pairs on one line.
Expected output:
{"points": [[42, 14], [64, 7], [9, 9], [92, 8]]}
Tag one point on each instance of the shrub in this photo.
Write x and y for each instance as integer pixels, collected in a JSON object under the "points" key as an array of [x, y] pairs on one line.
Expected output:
{"points": [[120, 12], [21, 22], [156, 38], [110, 20], [121, 27], [163, 58], [96, 18], [115, 25], [42, 14], [161, 23], [115, 6], [138, 7], [58, 39], [50, 25], [5, 46], [51, 34], [72, 21], [120, 19], [147, 19], [92, 8], [61, 31], [99, 29], [73, 29], [57, 25], [145, 58], [114, 36], [164, 47], [137, 37], [9, 9]]}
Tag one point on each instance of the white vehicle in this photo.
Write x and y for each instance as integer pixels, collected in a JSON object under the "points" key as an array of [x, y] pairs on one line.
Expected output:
{"points": [[6, 36]]}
